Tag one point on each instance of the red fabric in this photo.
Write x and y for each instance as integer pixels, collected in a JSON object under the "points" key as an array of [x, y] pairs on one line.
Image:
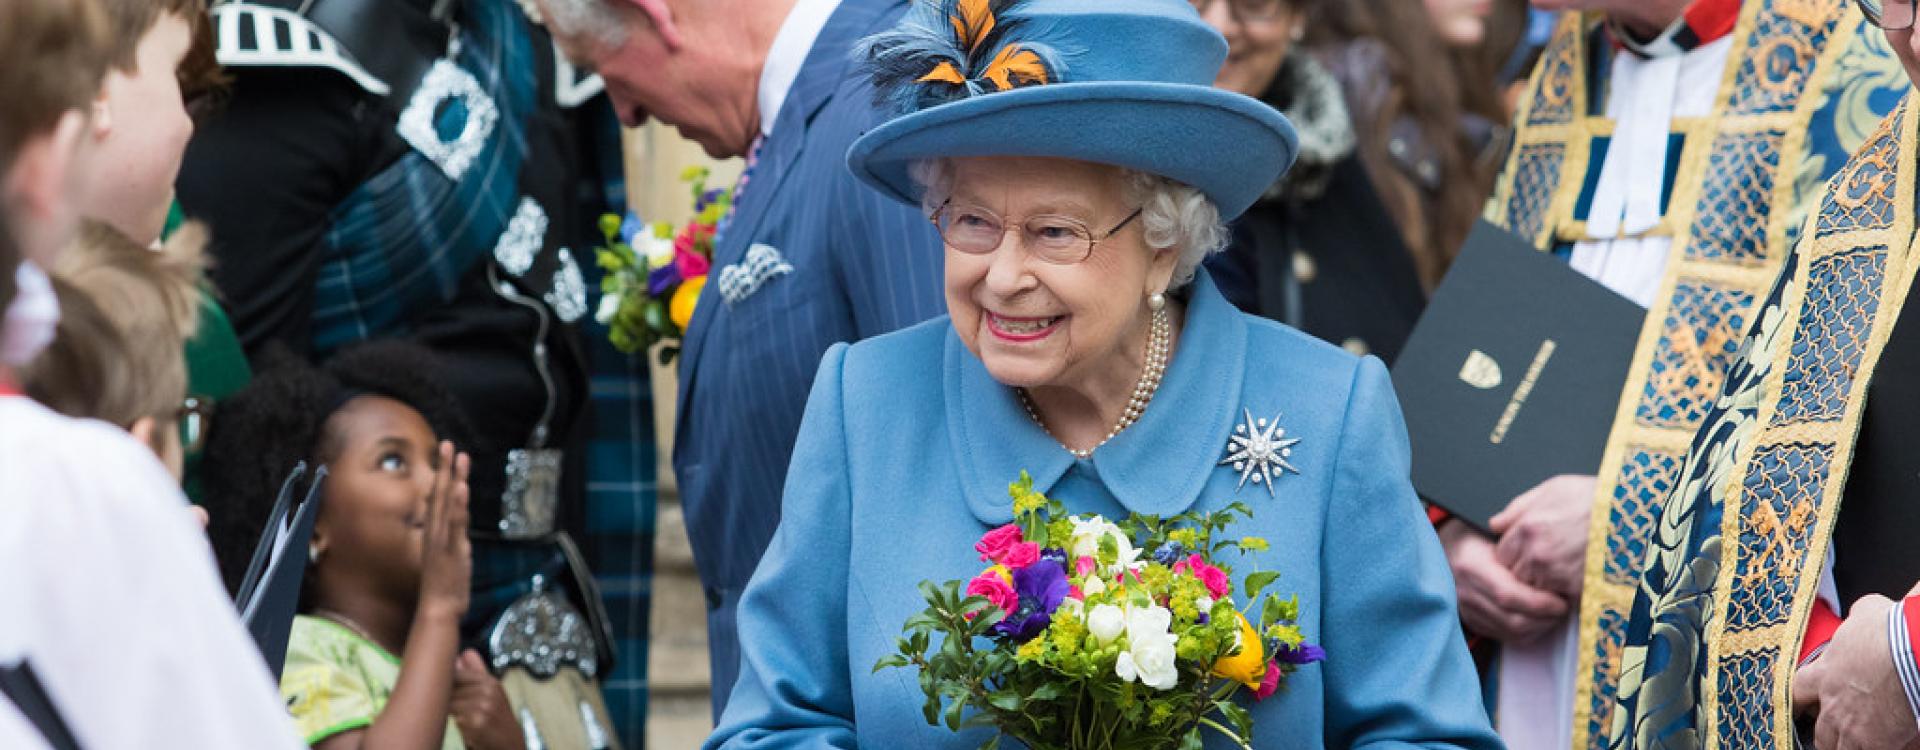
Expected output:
{"points": [[1821, 624], [1437, 515], [1910, 609], [1712, 19]]}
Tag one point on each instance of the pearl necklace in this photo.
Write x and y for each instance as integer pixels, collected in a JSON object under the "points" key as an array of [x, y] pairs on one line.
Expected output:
{"points": [[1160, 334]]}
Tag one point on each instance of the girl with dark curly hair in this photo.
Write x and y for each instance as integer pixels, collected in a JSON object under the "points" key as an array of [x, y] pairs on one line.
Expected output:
{"points": [[374, 657]]}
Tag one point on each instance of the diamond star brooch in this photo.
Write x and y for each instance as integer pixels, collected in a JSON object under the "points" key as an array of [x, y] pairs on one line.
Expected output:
{"points": [[1259, 449]]}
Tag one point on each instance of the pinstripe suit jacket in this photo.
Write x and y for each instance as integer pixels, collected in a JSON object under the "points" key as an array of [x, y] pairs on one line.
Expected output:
{"points": [[861, 265]]}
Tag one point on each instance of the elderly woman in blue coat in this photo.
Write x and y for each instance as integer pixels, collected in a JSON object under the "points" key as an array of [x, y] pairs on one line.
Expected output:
{"points": [[1079, 166]]}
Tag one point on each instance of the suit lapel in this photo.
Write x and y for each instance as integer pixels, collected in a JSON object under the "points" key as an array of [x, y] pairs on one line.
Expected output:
{"points": [[828, 64]]}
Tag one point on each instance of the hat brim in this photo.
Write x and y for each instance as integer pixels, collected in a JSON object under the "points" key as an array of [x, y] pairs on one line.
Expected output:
{"points": [[1229, 146]]}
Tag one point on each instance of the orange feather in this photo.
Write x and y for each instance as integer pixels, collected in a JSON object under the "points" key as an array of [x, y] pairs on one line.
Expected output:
{"points": [[944, 73], [1015, 66], [974, 22]]}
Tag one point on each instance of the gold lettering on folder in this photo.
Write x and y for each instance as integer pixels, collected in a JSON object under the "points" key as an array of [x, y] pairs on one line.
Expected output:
{"points": [[1520, 394]]}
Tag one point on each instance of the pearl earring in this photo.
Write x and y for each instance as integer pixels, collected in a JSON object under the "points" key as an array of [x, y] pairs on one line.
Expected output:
{"points": [[1157, 302], [313, 552]]}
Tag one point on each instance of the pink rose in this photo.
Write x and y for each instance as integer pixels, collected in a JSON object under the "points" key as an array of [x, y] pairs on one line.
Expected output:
{"points": [[995, 589], [1268, 683], [690, 263], [1020, 555], [1084, 566], [1214, 578], [994, 545]]}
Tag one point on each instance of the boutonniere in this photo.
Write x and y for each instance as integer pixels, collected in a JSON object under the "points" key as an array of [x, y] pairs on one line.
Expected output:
{"points": [[654, 274]]}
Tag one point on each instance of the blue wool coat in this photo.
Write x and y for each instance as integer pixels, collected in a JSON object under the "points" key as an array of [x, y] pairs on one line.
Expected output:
{"points": [[903, 461]]}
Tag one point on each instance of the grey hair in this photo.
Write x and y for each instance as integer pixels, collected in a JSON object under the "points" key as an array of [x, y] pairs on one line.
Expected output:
{"points": [[597, 22], [1173, 214]]}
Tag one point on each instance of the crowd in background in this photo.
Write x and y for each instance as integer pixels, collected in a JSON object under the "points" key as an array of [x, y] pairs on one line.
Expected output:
{"points": [[263, 235]]}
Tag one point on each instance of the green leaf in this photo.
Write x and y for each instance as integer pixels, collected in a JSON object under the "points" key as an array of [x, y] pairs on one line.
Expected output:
{"points": [[992, 743], [1006, 700], [1046, 692], [1241, 720], [1192, 740], [953, 714], [891, 662], [1272, 612], [1258, 581]]}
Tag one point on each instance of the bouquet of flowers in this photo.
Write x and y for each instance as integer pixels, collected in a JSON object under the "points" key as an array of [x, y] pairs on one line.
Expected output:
{"points": [[1083, 633], [653, 274]]}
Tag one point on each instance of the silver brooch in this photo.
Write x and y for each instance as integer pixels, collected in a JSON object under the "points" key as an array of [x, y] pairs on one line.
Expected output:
{"points": [[449, 118], [1259, 449], [526, 233], [568, 298]]}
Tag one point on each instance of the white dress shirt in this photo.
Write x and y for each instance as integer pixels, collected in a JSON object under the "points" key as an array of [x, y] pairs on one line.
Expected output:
{"points": [[788, 54], [110, 592]]}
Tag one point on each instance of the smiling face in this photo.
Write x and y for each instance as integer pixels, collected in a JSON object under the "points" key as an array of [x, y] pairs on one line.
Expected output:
{"points": [[1035, 323], [380, 457]]}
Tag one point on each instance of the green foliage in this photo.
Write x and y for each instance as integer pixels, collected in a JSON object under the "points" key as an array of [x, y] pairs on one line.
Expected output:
{"points": [[1059, 690]]}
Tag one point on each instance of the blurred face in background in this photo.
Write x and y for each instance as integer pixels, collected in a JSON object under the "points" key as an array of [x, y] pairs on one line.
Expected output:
{"points": [[1461, 23], [1259, 33]]}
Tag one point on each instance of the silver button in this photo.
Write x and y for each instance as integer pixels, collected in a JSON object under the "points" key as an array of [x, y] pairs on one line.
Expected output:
{"points": [[1304, 267]]}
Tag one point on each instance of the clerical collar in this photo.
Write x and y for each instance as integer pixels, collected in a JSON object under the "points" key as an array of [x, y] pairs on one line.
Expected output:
{"points": [[1703, 23]]}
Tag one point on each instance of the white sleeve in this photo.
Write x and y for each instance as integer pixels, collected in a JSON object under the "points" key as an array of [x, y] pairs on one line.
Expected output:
{"points": [[113, 595]]}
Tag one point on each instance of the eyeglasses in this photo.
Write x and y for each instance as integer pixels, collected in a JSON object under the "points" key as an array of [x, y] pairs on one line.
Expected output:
{"points": [[1061, 240], [193, 424], [1246, 10], [1891, 15]]}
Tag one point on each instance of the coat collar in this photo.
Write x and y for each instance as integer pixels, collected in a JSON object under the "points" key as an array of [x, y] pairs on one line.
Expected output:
{"points": [[1157, 466]]}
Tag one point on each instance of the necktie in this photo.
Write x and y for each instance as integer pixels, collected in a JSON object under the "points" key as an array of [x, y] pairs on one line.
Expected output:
{"points": [[740, 188]]}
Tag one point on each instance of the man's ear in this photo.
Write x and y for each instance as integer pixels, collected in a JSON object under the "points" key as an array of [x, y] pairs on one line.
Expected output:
{"points": [[662, 18], [40, 181]]}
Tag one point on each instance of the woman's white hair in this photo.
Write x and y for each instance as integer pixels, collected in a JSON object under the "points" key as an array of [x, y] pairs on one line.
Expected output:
{"points": [[1173, 214], [595, 21]]}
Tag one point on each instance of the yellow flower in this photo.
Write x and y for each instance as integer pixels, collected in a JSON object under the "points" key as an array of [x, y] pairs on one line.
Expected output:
{"points": [[1001, 571], [680, 308], [1248, 666]]}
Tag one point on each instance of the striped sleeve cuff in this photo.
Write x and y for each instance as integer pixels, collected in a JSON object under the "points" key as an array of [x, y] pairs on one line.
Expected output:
{"points": [[1903, 624]]}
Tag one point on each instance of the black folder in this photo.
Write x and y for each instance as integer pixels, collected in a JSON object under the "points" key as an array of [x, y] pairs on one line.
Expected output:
{"points": [[1512, 376], [270, 593], [19, 685]]}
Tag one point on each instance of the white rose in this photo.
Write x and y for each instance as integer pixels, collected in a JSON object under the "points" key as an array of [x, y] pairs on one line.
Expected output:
{"points": [[1106, 622], [657, 250], [1094, 585], [1150, 649], [1203, 604], [609, 307]]}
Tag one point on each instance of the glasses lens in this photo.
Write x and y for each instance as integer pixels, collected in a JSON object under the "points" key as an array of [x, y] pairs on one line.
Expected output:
{"points": [[970, 229], [193, 426], [1059, 239], [1256, 10]]}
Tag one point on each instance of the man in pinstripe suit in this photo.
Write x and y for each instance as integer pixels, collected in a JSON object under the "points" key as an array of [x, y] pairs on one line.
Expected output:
{"points": [[810, 258]]}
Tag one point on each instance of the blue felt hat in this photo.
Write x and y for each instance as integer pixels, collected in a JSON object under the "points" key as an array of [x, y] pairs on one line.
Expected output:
{"points": [[1121, 82]]}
